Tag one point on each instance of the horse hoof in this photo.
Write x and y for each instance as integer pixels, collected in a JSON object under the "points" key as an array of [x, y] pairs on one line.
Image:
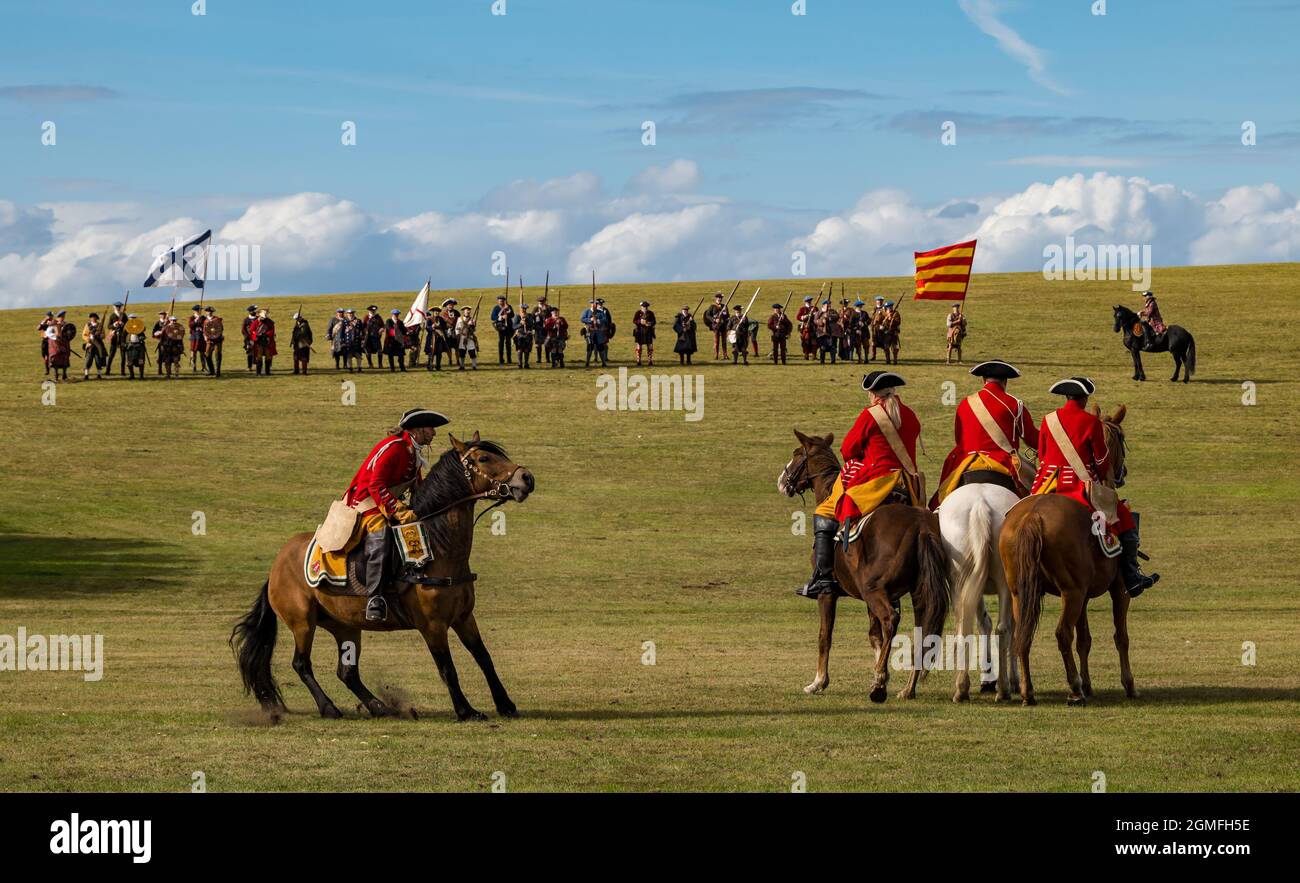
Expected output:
{"points": [[331, 712], [878, 694], [989, 687], [906, 694], [1028, 702], [816, 687], [961, 697], [471, 715], [1002, 697], [1075, 699], [379, 709], [508, 711]]}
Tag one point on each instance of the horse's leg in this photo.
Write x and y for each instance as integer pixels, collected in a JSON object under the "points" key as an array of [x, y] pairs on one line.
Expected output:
{"points": [[1007, 669], [1026, 683], [435, 635], [349, 670], [918, 671], [303, 632], [988, 674], [1119, 607], [1072, 603], [1083, 644], [467, 631], [826, 602], [1137, 363], [968, 609], [882, 612], [1178, 364]]}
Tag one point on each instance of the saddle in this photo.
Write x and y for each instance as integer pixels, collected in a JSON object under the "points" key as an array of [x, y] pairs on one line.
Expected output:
{"points": [[343, 572], [988, 476], [850, 530]]}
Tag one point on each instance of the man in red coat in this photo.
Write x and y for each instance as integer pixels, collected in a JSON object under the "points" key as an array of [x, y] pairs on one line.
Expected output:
{"points": [[879, 467], [1072, 441], [392, 466], [987, 432]]}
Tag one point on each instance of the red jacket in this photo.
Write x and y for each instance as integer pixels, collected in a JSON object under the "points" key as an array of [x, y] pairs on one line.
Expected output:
{"points": [[392, 462], [867, 454], [1089, 439], [969, 436]]}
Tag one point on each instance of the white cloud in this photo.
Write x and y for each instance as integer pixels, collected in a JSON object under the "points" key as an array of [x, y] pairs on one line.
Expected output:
{"points": [[984, 13], [632, 248], [679, 176]]}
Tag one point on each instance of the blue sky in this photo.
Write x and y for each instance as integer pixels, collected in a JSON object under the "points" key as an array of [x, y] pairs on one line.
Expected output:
{"points": [[784, 123]]}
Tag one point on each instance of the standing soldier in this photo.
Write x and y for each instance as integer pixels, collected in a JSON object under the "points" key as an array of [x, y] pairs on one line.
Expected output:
{"points": [[540, 313], [249, 319], [394, 342], [302, 341], [779, 326], [595, 327], [92, 345], [353, 340], [502, 318], [1072, 456], [157, 333], [116, 334], [845, 324], [196, 321], [987, 431], [136, 352], [684, 328], [262, 332], [45, 325], [557, 337], [861, 330], [443, 325], [643, 332], [879, 467], [413, 341], [826, 324], [873, 327], [214, 333], [891, 324], [715, 319], [59, 334], [804, 319], [332, 334], [522, 335], [466, 339], [374, 336], [738, 335], [171, 346], [956, 333]]}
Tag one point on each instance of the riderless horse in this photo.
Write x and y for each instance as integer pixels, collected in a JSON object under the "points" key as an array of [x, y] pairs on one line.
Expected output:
{"points": [[440, 596], [1177, 341], [897, 553]]}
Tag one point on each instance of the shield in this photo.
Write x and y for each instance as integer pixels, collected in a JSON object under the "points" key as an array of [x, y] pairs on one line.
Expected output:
{"points": [[1138, 330], [213, 328], [134, 326]]}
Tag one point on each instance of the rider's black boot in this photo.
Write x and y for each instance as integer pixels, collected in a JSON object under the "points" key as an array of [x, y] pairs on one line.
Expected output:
{"points": [[1135, 581], [376, 545], [823, 578]]}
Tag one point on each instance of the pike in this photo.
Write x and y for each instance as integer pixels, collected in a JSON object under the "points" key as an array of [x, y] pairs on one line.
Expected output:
{"points": [[751, 301]]}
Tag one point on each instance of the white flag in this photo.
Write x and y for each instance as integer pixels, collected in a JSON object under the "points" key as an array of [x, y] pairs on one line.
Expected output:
{"points": [[419, 310], [184, 265]]}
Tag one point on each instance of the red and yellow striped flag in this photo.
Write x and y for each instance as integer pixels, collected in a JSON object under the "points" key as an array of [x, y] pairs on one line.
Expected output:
{"points": [[944, 273]]}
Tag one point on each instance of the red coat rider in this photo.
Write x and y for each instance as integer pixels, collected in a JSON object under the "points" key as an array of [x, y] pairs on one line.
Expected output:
{"points": [[975, 448], [1086, 438], [376, 489]]}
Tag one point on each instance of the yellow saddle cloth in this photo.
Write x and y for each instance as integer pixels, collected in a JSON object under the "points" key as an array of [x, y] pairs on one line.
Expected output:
{"points": [[331, 567]]}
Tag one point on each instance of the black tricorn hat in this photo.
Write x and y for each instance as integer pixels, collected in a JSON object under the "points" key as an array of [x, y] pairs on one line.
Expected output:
{"points": [[645, 303], [196, 308], [776, 306], [1073, 386], [417, 418], [502, 297], [995, 369], [877, 381], [212, 309]]}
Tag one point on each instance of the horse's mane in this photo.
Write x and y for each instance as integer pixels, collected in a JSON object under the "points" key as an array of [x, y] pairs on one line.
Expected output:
{"points": [[444, 485], [1125, 311]]}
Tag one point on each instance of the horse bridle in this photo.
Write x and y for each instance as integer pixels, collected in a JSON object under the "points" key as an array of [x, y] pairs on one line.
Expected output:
{"points": [[499, 489], [793, 479]]}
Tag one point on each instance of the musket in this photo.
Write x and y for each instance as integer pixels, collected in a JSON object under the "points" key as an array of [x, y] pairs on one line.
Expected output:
{"points": [[695, 312], [751, 302], [785, 308], [727, 302], [547, 291]]}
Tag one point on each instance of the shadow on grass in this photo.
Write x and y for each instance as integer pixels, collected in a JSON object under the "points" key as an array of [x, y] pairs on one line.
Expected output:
{"points": [[33, 566]]}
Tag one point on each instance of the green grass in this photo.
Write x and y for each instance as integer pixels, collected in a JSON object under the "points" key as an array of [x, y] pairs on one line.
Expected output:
{"points": [[647, 528]]}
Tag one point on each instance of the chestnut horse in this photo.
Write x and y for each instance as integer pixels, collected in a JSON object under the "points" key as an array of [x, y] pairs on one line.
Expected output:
{"points": [[1048, 544], [440, 598], [898, 552]]}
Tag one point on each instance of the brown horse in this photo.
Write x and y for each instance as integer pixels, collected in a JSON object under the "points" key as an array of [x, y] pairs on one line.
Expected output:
{"points": [[439, 598], [1049, 545], [898, 553]]}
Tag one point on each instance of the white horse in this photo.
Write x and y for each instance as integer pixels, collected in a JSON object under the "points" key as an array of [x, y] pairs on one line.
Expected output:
{"points": [[970, 520]]}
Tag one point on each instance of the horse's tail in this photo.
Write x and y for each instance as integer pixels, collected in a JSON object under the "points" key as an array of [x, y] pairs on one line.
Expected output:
{"points": [[979, 526], [932, 584], [1191, 355], [253, 640], [1030, 585]]}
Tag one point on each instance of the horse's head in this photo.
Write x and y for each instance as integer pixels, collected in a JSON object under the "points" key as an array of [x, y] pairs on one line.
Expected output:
{"points": [[1115, 444], [1124, 317], [489, 469], [810, 464]]}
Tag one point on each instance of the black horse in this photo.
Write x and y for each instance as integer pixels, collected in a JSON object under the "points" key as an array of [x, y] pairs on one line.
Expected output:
{"points": [[1177, 341]]}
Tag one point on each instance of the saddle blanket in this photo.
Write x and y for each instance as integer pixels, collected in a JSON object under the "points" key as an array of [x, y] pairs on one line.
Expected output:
{"points": [[343, 572]]}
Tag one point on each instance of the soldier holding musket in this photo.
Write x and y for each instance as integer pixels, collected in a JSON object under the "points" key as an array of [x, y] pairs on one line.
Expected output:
{"points": [[804, 319], [114, 324], [302, 341], [249, 318], [214, 335], [333, 335], [502, 317], [715, 319], [196, 321], [684, 327], [778, 324], [92, 344], [738, 335], [557, 337], [643, 332]]}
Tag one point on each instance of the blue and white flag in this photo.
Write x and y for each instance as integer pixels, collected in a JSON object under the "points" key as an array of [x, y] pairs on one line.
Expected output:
{"points": [[184, 265]]}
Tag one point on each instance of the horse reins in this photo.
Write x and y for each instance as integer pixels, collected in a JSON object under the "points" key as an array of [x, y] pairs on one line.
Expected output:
{"points": [[499, 490], [792, 478]]}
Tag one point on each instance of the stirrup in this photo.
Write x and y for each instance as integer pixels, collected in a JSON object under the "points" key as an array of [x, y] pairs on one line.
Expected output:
{"points": [[376, 609]]}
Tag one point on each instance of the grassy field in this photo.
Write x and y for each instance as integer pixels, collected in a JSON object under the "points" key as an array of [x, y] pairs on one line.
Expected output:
{"points": [[646, 527]]}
